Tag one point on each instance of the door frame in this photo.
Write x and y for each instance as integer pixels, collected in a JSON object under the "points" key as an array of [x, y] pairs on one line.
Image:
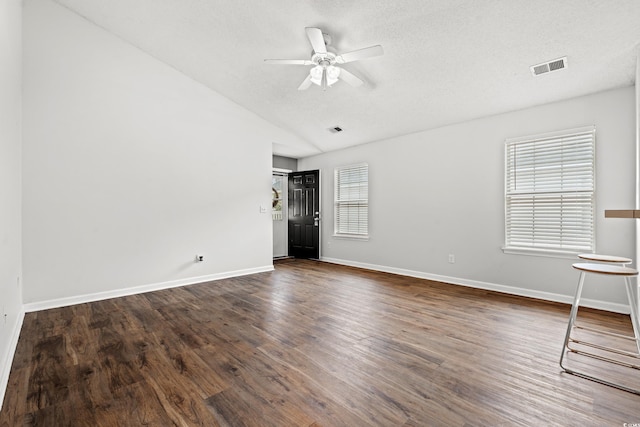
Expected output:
{"points": [[285, 206]]}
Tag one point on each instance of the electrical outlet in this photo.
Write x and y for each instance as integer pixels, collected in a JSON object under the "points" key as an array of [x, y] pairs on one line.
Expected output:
{"points": [[199, 258], [452, 258]]}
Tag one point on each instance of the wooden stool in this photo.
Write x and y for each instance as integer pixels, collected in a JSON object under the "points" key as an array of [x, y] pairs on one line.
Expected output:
{"points": [[607, 268]]}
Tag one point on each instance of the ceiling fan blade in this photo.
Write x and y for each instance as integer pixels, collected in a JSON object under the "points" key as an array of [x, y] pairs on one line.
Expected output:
{"points": [[317, 39], [305, 84], [288, 61], [355, 55], [350, 78]]}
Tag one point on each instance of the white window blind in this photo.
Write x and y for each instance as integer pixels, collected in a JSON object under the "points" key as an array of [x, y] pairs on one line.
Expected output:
{"points": [[352, 200], [550, 192]]}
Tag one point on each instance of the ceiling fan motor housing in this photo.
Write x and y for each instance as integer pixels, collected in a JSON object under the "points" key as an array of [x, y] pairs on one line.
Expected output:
{"points": [[319, 58]]}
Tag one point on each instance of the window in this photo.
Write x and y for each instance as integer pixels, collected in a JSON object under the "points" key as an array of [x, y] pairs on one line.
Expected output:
{"points": [[352, 201], [550, 193]]}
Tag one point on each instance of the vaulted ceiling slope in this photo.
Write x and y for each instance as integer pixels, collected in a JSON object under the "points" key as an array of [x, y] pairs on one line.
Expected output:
{"points": [[445, 61]]}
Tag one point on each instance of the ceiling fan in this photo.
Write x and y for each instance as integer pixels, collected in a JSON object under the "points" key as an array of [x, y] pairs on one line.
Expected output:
{"points": [[325, 60]]}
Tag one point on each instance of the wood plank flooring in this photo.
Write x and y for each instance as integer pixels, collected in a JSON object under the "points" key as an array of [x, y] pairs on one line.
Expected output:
{"points": [[309, 344]]}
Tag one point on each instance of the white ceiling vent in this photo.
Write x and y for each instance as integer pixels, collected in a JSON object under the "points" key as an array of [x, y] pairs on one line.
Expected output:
{"points": [[547, 67]]}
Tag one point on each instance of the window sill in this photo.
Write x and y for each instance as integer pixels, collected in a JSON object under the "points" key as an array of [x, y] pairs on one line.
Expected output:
{"points": [[351, 236], [542, 252]]}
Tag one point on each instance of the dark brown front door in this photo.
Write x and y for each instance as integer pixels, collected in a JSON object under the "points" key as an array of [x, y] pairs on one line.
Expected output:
{"points": [[304, 214]]}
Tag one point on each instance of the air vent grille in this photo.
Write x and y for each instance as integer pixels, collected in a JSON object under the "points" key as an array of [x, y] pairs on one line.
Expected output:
{"points": [[556, 65], [540, 69], [547, 67]]}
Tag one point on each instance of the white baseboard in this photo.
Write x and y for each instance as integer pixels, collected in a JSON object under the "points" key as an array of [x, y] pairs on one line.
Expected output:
{"points": [[7, 361], [531, 293], [98, 296]]}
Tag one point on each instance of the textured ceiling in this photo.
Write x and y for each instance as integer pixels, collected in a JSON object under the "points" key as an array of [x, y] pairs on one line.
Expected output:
{"points": [[445, 61]]}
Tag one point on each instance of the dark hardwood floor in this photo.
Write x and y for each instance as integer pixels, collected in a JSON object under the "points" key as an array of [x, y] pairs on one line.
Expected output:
{"points": [[309, 344]]}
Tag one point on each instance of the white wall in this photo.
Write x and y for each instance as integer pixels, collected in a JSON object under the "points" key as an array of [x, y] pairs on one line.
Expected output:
{"points": [[131, 168], [281, 162], [441, 192], [10, 145]]}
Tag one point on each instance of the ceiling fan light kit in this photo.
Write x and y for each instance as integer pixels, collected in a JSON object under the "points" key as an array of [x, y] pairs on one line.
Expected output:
{"points": [[325, 72], [324, 76]]}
